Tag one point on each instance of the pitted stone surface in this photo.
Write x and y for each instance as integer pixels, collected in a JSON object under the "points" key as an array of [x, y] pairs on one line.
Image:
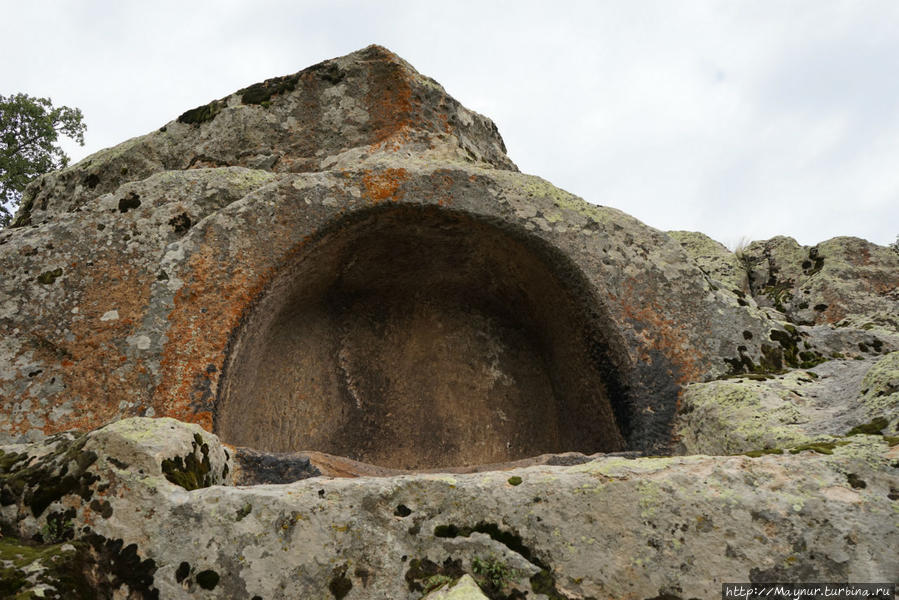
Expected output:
{"points": [[839, 278], [590, 530], [342, 265], [131, 291]]}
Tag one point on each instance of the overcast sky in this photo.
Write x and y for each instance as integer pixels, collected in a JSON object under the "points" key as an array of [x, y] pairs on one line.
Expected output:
{"points": [[737, 119]]}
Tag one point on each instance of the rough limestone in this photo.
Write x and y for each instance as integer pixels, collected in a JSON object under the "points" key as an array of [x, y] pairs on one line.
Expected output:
{"points": [[137, 280], [714, 259], [613, 527], [321, 339], [841, 278]]}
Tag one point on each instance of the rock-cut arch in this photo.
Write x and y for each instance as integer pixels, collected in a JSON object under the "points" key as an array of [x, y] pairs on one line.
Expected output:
{"points": [[418, 337]]}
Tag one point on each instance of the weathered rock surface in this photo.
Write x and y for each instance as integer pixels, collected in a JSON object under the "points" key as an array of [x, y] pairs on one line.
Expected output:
{"points": [[613, 527], [800, 407], [442, 371], [788, 283], [714, 259], [880, 391], [841, 278], [257, 297]]}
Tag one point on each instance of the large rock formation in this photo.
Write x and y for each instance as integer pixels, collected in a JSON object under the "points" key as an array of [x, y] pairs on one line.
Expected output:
{"points": [[140, 506], [252, 265], [341, 273]]}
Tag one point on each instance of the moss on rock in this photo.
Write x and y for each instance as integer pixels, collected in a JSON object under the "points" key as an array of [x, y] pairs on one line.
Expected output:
{"points": [[202, 114], [872, 428], [821, 447], [38, 482], [193, 471], [41, 570], [763, 452], [260, 93], [49, 277]]}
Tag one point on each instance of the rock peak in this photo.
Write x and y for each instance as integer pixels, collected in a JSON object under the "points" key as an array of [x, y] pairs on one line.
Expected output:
{"points": [[369, 107]]}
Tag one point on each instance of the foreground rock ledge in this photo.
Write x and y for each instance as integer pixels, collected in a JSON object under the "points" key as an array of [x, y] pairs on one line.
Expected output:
{"points": [[611, 528]]}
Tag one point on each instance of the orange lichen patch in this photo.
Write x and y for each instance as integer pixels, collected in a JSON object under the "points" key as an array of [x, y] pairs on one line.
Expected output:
{"points": [[216, 294], [384, 185], [389, 100], [883, 283], [207, 308], [666, 336], [444, 122], [93, 365], [443, 182], [835, 310], [396, 107], [860, 257], [399, 140]]}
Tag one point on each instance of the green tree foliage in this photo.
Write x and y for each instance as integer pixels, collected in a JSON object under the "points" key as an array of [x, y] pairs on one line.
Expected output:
{"points": [[29, 128]]}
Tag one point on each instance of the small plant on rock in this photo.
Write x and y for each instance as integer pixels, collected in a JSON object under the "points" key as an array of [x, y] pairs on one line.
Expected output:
{"points": [[491, 573], [435, 582], [746, 261], [56, 529]]}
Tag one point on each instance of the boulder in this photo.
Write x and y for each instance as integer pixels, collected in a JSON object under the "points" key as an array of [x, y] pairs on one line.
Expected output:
{"points": [[841, 278], [612, 527], [714, 259], [770, 412], [248, 267]]}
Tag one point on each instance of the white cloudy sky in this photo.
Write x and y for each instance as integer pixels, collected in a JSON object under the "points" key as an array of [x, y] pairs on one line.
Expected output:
{"points": [[738, 119]]}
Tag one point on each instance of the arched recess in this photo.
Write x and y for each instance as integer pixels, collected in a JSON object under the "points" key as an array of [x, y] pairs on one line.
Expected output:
{"points": [[418, 337]]}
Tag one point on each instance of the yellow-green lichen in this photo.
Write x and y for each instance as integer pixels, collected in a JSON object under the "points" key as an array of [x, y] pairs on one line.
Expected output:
{"points": [[745, 416], [247, 178], [618, 467], [821, 447], [651, 497], [880, 387], [37, 571]]}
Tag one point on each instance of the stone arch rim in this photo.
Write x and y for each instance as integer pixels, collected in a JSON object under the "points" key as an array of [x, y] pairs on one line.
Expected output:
{"points": [[609, 353]]}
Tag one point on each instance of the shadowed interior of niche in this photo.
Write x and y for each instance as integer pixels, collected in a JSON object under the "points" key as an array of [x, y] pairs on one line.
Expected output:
{"points": [[414, 338]]}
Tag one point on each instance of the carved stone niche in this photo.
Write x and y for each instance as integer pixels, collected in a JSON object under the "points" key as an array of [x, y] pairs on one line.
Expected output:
{"points": [[417, 337]]}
